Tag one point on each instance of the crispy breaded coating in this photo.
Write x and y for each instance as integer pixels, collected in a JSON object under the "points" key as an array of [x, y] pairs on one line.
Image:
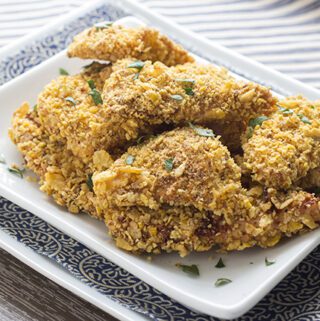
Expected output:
{"points": [[134, 107], [161, 195], [118, 42], [173, 96], [196, 203], [179, 167], [273, 216], [62, 175], [286, 146]]}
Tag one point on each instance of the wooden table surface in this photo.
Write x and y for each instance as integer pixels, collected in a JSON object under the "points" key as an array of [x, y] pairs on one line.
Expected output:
{"points": [[26, 295]]}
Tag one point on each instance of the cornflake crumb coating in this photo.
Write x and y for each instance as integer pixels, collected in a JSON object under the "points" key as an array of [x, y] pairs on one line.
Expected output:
{"points": [[285, 147], [118, 42], [198, 204]]}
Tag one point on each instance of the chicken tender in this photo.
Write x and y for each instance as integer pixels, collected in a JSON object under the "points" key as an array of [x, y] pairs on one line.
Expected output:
{"points": [[117, 42], [181, 167], [286, 146], [273, 216], [161, 195], [62, 175]]}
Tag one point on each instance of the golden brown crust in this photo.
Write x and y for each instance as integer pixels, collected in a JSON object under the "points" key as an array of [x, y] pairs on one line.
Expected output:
{"points": [[286, 146], [118, 42], [177, 168]]}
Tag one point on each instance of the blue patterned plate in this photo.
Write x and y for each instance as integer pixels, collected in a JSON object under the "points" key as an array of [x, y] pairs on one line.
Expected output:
{"points": [[88, 249]]}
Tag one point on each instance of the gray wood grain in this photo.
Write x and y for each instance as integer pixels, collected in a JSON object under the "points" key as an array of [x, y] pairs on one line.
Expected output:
{"points": [[26, 295]]}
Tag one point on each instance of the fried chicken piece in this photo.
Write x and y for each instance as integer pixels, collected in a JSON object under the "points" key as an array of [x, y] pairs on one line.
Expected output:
{"points": [[179, 167], [273, 215], [160, 195], [118, 42], [285, 147], [62, 175]]}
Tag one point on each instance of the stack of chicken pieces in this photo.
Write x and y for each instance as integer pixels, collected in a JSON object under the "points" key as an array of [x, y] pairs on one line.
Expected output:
{"points": [[173, 155]]}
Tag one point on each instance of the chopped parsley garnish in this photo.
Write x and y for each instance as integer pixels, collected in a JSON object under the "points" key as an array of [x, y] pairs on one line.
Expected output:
{"points": [[187, 81], [137, 64], [177, 97], [35, 108], [130, 160], [222, 281], [2, 159], [189, 91], [91, 84], [267, 262], [136, 75], [94, 93], [189, 269], [96, 96], [168, 164], [304, 119], [90, 182], [250, 132], [285, 111], [70, 100], [103, 25], [220, 264], [312, 107], [63, 72], [205, 132], [257, 121], [16, 171]]}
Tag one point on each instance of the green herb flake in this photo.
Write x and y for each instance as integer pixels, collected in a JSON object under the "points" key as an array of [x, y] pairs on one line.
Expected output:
{"points": [[90, 182], [2, 159], [250, 132], [222, 281], [96, 96], [16, 171], [177, 97], [257, 121], [192, 270], [304, 119], [91, 84], [189, 91], [168, 164], [70, 100], [136, 75], [187, 81], [63, 72], [285, 111], [103, 25], [267, 262], [220, 264], [130, 159], [137, 65], [35, 108], [205, 132], [312, 107]]}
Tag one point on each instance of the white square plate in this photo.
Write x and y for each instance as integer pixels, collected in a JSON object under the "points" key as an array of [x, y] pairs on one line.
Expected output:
{"points": [[250, 282]]}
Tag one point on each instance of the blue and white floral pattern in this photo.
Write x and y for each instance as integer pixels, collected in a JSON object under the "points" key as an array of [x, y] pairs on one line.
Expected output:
{"points": [[296, 298]]}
